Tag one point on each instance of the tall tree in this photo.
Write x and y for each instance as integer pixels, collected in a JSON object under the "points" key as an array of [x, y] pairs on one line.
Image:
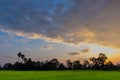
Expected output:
{"points": [[101, 59], [101, 62], [19, 56]]}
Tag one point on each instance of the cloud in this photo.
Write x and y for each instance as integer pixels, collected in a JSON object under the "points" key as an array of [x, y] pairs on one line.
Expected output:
{"points": [[73, 53], [82, 59], [48, 47], [82, 51], [68, 21], [85, 50]]}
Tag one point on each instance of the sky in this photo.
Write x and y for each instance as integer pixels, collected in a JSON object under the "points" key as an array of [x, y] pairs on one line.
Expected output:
{"points": [[62, 29]]}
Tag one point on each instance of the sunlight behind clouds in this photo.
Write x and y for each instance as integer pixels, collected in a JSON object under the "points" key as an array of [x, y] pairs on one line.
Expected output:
{"points": [[66, 25]]}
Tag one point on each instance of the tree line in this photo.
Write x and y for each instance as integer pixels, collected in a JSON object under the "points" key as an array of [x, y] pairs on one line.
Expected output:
{"points": [[99, 63]]}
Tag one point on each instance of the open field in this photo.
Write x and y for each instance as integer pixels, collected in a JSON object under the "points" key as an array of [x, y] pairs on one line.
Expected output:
{"points": [[59, 75]]}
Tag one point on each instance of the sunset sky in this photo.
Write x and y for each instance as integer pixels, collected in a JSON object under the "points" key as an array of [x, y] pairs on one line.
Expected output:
{"points": [[62, 29]]}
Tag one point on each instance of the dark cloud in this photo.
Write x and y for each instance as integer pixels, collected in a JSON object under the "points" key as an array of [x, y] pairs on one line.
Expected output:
{"points": [[73, 53], [70, 21], [85, 50]]}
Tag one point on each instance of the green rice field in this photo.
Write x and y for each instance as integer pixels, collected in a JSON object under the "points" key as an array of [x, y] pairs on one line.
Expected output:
{"points": [[59, 75]]}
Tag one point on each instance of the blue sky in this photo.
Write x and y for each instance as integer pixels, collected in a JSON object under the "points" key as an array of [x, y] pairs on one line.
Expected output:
{"points": [[63, 29]]}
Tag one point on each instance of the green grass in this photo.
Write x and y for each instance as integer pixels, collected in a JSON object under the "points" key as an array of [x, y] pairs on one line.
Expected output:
{"points": [[59, 75]]}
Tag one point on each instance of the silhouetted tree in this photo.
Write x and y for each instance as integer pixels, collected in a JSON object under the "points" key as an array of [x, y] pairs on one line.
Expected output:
{"points": [[30, 64], [8, 66], [94, 60], [69, 64], [46, 65], [86, 64], [94, 63], [117, 66], [19, 55], [61, 66], [41, 64], [25, 60], [101, 59], [0, 67], [22, 57], [77, 65], [99, 63], [108, 65], [55, 63], [52, 64]]}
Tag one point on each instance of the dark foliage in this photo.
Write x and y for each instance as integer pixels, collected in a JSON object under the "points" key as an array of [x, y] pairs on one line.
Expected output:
{"points": [[100, 63]]}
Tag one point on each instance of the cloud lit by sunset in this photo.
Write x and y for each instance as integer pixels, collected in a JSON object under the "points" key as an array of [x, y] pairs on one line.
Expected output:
{"points": [[63, 29]]}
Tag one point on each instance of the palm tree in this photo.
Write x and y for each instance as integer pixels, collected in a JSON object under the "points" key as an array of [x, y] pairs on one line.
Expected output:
{"points": [[19, 55], [22, 57], [25, 60]]}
